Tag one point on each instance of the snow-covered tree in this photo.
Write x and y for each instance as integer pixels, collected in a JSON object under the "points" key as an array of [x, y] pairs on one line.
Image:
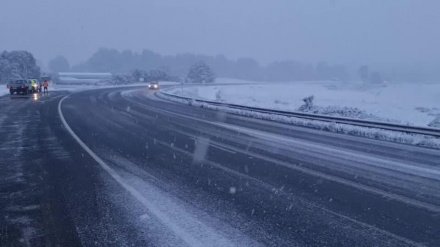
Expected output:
{"points": [[121, 79], [59, 64], [200, 72], [376, 78], [154, 75], [18, 64], [138, 74], [6, 70], [308, 103], [157, 75], [435, 123], [364, 73]]}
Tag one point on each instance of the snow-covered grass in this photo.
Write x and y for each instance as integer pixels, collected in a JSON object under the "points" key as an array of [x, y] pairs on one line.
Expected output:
{"points": [[415, 104], [373, 133]]}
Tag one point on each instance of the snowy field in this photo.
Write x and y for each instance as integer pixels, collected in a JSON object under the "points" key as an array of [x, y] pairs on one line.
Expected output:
{"points": [[416, 104]]}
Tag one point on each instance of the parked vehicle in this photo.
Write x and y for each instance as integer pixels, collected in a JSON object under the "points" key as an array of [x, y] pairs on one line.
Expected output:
{"points": [[34, 86], [18, 87]]}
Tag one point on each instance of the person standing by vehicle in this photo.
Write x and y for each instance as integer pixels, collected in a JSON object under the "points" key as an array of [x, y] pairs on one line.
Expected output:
{"points": [[45, 85]]}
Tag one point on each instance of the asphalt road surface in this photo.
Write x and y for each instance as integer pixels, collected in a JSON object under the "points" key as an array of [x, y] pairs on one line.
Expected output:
{"points": [[121, 167]]}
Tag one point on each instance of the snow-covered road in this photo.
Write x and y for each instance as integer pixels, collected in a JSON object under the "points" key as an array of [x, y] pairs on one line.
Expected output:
{"points": [[174, 175]]}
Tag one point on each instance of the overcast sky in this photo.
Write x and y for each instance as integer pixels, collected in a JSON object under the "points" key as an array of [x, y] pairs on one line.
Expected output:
{"points": [[337, 31]]}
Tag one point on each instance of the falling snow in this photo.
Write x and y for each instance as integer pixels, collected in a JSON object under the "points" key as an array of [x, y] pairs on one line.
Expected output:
{"points": [[232, 190]]}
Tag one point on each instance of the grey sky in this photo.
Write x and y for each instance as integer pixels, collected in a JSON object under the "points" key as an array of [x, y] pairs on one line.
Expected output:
{"points": [[338, 31]]}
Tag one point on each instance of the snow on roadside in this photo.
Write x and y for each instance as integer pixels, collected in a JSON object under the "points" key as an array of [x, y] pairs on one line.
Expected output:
{"points": [[435, 123], [373, 133], [414, 104], [346, 112], [78, 88], [3, 90]]}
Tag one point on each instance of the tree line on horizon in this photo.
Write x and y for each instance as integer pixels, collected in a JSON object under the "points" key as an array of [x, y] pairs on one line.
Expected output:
{"points": [[22, 64], [113, 61]]}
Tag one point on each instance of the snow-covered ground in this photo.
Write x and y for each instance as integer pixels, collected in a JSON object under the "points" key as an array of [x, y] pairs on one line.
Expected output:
{"points": [[3, 90], [373, 133], [417, 104]]}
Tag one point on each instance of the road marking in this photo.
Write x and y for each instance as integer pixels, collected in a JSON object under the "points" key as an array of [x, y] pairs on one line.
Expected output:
{"points": [[210, 143], [185, 236]]}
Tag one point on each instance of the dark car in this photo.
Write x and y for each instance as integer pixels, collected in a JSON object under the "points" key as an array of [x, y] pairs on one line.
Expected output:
{"points": [[18, 87]]}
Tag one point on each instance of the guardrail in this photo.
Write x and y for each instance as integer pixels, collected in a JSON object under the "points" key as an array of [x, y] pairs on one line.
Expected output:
{"points": [[358, 122]]}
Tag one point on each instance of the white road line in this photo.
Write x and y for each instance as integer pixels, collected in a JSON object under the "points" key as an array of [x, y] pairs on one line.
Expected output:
{"points": [[221, 148], [185, 236], [209, 143]]}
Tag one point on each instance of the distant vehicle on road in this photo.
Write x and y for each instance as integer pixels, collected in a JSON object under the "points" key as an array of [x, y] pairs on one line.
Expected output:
{"points": [[153, 85], [19, 87]]}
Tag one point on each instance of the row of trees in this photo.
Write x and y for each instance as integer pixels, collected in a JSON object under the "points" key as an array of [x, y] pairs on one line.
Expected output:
{"points": [[59, 64], [199, 72], [113, 61], [172, 68], [369, 77], [18, 65], [153, 75], [22, 64]]}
